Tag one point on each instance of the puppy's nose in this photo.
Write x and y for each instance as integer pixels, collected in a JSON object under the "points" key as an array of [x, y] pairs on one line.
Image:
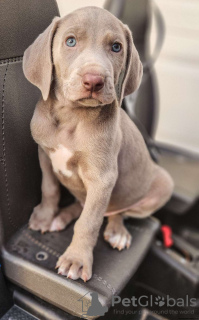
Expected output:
{"points": [[92, 82]]}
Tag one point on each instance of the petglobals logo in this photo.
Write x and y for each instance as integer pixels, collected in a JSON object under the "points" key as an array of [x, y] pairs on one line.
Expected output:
{"points": [[159, 301], [151, 301], [91, 305]]}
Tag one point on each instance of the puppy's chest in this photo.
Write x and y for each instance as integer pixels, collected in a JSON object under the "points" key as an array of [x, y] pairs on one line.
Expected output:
{"points": [[58, 143], [62, 160]]}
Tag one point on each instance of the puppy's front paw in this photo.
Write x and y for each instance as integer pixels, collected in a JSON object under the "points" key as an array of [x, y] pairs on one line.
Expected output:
{"points": [[41, 218], [75, 264], [118, 236]]}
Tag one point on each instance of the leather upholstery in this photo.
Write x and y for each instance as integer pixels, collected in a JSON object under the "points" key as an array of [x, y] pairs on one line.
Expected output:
{"points": [[20, 23]]}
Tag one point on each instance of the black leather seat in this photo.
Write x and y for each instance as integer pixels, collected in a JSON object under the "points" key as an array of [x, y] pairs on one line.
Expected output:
{"points": [[20, 23], [28, 258]]}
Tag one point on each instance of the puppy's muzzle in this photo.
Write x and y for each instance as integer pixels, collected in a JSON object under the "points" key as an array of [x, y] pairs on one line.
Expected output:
{"points": [[92, 82]]}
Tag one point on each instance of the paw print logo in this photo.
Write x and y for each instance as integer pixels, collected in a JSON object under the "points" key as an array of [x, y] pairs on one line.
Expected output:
{"points": [[159, 301]]}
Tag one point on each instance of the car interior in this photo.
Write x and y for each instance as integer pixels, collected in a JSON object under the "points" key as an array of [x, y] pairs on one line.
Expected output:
{"points": [[30, 285]]}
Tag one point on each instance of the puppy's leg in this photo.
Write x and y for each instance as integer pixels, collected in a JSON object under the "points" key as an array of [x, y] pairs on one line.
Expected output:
{"points": [[116, 233], [77, 260], [65, 216], [44, 213], [159, 193]]}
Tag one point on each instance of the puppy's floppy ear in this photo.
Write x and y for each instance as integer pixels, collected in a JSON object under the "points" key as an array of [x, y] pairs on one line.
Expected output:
{"points": [[37, 60], [134, 69]]}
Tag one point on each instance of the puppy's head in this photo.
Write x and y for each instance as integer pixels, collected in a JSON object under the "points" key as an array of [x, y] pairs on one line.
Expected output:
{"points": [[88, 57]]}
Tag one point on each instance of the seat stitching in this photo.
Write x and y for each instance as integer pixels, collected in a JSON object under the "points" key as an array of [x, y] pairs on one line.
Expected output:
{"points": [[41, 245], [105, 283], [8, 60], [4, 148]]}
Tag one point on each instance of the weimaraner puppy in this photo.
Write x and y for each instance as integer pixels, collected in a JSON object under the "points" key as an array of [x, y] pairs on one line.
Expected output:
{"points": [[84, 64]]}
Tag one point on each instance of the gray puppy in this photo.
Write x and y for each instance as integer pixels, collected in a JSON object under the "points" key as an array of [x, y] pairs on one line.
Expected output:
{"points": [[84, 64]]}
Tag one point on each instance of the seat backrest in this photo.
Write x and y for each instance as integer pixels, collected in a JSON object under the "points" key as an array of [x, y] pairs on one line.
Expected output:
{"points": [[21, 22]]}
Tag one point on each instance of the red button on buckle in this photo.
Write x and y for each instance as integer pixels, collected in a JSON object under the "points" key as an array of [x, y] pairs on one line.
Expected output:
{"points": [[167, 236]]}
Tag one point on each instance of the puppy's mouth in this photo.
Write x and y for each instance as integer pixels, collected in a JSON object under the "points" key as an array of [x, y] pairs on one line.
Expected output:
{"points": [[89, 102]]}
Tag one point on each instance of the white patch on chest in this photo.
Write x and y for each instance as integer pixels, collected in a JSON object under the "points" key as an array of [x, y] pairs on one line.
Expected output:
{"points": [[59, 160]]}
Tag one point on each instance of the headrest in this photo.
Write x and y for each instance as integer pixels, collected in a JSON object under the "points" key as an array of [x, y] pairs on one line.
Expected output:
{"points": [[21, 22]]}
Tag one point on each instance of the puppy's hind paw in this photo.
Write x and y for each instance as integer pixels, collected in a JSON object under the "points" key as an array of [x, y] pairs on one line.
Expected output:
{"points": [[57, 224], [65, 216], [117, 236]]}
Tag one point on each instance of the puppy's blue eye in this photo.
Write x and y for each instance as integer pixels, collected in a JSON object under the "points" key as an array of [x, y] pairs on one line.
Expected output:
{"points": [[116, 47], [71, 42]]}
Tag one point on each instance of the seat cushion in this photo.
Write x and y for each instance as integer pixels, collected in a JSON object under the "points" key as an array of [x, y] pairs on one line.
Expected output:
{"points": [[29, 260]]}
